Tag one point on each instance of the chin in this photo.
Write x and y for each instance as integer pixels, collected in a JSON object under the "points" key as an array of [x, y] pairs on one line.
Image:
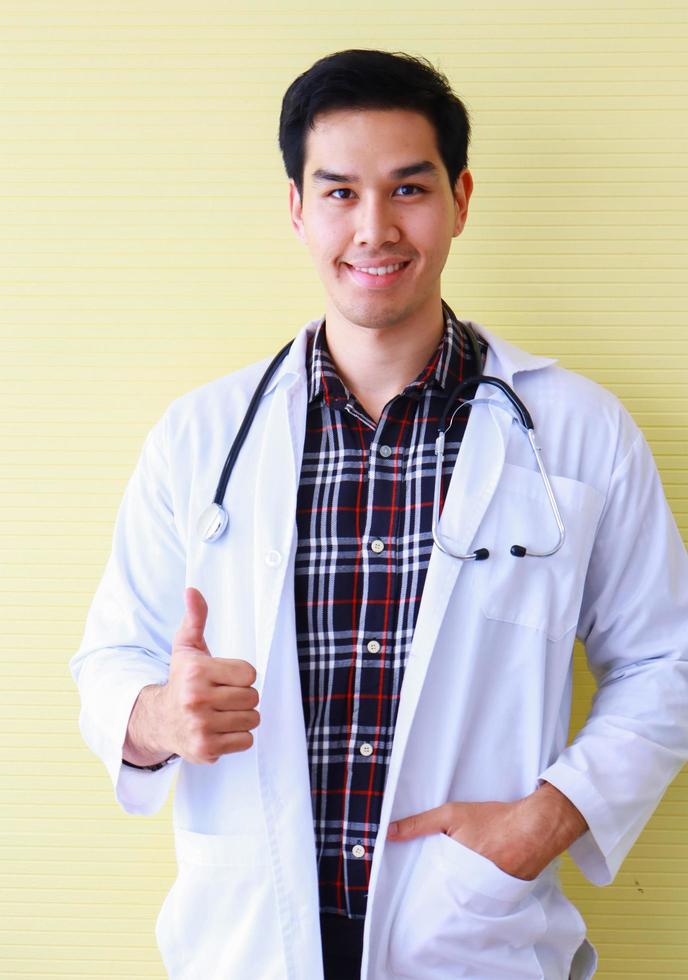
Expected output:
{"points": [[377, 313]]}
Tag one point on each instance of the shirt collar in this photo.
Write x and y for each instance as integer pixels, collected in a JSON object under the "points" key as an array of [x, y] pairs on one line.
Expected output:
{"points": [[503, 359]]}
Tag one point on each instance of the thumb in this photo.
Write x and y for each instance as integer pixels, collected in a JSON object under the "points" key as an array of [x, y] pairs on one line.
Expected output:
{"points": [[190, 632]]}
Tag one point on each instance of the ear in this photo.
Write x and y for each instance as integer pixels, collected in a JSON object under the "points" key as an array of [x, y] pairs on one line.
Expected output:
{"points": [[463, 188], [295, 211]]}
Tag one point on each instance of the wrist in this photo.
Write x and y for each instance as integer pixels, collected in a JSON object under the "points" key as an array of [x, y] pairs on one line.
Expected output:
{"points": [[145, 743], [551, 817]]}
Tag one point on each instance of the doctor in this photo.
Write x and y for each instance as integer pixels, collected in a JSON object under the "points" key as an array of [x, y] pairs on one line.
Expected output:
{"points": [[369, 734]]}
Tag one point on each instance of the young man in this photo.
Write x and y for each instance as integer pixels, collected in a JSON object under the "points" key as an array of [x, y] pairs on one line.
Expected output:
{"points": [[397, 806]]}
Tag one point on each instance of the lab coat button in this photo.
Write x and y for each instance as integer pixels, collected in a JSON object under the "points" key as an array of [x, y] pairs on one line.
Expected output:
{"points": [[385, 451], [366, 749], [273, 558], [358, 850], [377, 546], [373, 646]]}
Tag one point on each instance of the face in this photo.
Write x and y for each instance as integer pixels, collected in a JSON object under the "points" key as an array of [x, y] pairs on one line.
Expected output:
{"points": [[377, 194]]}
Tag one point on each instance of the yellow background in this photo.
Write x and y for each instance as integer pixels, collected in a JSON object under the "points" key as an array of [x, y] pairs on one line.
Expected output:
{"points": [[146, 249]]}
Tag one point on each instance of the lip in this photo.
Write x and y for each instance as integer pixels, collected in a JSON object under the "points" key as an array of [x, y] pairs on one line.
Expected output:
{"points": [[377, 282]]}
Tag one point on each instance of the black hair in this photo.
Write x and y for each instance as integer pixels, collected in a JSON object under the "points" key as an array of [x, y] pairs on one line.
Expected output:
{"points": [[360, 78]]}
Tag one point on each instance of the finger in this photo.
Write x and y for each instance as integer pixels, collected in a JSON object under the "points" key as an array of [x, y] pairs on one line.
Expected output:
{"points": [[224, 744], [224, 722], [427, 822], [235, 742], [190, 632], [231, 672], [223, 697]]}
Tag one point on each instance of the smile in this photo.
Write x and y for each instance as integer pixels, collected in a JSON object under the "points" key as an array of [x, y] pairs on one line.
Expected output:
{"points": [[379, 270], [377, 276]]}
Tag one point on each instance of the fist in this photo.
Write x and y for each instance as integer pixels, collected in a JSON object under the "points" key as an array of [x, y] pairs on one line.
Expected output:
{"points": [[209, 702]]}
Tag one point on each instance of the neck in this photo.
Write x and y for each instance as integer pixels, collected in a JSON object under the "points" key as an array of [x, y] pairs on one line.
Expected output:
{"points": [[377, 363]]}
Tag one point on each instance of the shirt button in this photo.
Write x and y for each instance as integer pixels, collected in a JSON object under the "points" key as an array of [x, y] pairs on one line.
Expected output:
{"points": [[366, 749], [373, 646], [385, 451], [377, 546], [358, 850], [273, 558]]}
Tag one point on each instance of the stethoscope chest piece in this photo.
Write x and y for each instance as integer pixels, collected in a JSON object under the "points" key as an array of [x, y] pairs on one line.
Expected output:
{"points": [[212, 522]]}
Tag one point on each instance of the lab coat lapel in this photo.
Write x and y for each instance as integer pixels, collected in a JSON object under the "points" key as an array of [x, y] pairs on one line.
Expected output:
{"points": [[476, 475], [275, 491], [475, 478]]}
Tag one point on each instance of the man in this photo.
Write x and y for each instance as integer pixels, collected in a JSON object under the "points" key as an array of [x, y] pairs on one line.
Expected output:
{"points": [[397, 806]]}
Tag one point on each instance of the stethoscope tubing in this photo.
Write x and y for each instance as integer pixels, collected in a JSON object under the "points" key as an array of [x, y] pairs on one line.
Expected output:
{"points": [[240, 437], [214, 519], [517, 550]]}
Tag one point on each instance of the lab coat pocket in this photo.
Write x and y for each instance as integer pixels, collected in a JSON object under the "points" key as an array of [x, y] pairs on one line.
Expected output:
{"points": [[462, 916], [543, 594], [219, 916]]}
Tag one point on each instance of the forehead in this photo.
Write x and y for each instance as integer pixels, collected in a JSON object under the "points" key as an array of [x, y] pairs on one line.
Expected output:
{"points": [[380, 138]]}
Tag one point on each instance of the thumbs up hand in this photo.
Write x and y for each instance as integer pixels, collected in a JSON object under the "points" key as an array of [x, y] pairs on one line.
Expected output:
{"points": [[208, 703]]}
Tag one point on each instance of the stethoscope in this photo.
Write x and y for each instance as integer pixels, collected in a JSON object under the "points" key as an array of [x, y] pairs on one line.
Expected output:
{"points": [[214, 520]]}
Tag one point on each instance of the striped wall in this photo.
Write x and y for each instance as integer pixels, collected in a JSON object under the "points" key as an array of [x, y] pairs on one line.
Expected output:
{"points": [[146, 249]]}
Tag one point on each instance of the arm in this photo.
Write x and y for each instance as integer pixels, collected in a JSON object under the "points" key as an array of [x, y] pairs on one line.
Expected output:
{"points": [[634, 623], [127, 640], [598, 794]]}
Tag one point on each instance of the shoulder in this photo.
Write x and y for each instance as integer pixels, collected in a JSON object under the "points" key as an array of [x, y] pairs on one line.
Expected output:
{"points": [[199, 423], [568, 391], [209, 413], [576, 400], [235, 388], [583, 428], [217, 406], [231, 393]]}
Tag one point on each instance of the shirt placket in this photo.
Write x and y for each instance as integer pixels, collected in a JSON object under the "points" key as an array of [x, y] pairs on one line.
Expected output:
{"points": [[371, 514], [376, 679]]}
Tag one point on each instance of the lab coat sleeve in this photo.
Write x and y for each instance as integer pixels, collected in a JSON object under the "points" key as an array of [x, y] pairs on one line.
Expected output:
{"points": [[135, 612], [634, 624]]}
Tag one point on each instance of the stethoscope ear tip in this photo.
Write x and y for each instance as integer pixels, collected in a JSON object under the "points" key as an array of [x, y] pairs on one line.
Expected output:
{"points": [[212, 522]]}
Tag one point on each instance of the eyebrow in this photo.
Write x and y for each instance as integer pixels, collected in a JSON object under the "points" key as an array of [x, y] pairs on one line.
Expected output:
{"points": [[423, 167]]}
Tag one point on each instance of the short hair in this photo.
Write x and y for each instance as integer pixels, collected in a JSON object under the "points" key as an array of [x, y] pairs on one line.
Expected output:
{"points": [[360, 78]]}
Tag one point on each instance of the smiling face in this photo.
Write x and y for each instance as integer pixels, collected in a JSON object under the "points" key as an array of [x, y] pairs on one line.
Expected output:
{"points": [[376, 194]]}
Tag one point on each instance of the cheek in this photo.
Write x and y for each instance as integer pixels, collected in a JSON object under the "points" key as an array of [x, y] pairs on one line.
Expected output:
{"points": [[323, 240], [431, 230], [432, 251]]}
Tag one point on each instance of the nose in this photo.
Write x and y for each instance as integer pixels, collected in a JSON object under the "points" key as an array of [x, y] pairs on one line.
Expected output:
{"points": [[376, 223]]}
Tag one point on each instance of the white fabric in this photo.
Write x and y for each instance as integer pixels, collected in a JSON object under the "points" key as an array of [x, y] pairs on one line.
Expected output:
{"points": [[485, 702]]}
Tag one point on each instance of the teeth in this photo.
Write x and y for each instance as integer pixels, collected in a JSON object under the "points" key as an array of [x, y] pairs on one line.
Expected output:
{"points": [[380, 270]]}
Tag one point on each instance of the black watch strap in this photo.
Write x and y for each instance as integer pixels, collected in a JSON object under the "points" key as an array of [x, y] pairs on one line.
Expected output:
{"points": [[158, 765]]}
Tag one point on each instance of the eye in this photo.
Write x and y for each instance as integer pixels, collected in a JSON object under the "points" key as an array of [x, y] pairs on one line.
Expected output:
{"points": [[345, 190], [411, 187]]}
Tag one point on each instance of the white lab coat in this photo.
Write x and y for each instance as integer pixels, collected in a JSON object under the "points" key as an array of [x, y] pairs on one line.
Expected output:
{"points": [[484, 708]]}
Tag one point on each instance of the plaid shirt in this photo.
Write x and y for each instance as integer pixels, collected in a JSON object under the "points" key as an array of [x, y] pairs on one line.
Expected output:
{"points": [[364, 523]]}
